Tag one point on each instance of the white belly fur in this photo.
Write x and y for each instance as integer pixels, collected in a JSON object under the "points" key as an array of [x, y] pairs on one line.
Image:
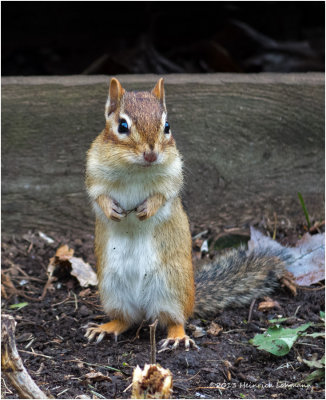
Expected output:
{"points": [[132, 280]]}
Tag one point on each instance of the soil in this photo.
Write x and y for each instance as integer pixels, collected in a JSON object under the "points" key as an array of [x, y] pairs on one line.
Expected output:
{"points": [[50, 335]]}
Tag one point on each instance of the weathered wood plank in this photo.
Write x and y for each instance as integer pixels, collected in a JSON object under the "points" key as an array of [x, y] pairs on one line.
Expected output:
{"points": [[250, 143]]}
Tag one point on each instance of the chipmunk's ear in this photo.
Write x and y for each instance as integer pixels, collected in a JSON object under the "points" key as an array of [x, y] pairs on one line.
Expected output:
{"points": [[116, 92], [158, 91]]}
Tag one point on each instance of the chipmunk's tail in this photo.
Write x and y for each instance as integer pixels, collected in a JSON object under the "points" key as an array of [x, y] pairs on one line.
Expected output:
{"points": [[236, 278]]}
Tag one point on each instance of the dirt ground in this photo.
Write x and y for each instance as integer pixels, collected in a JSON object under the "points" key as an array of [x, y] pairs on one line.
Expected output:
{"points": [[51, 342]]}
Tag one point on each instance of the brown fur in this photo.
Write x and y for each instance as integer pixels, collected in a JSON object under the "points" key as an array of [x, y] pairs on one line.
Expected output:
{"points": [[173, 242], [145, 111], [150, 206]]}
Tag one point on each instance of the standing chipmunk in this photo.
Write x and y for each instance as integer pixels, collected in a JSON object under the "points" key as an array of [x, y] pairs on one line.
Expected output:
{"points": [[142, 237]]}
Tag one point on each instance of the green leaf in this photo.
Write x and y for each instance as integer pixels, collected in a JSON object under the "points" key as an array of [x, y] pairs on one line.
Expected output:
{"points": [[322, 315], [315, 334], [278, 320], [314, 363], [304, 209], [278, 340], [18, 306], [315, 376]]}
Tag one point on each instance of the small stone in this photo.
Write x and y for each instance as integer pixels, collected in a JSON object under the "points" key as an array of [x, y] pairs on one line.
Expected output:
{"points": [[84, 311]]}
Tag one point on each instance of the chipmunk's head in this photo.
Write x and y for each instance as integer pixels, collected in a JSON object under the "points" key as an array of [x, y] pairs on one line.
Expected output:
{"points": [[137, 128]]}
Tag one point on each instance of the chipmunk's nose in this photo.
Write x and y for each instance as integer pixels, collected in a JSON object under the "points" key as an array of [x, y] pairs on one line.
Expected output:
{"points": [[150, 156]]}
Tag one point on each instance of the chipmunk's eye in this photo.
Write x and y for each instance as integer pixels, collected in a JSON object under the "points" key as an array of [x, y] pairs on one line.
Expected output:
{"points": [[123, 126], [167, 127]]}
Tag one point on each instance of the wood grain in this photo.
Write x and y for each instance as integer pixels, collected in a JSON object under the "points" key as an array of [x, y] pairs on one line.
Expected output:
{"points": [[250, 143]]}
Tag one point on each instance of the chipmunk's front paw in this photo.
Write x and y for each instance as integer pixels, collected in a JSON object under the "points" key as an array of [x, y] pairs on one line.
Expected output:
{"points": [[142, 211], [116, 212], [111, 208], [113, 327], [149, 207]]}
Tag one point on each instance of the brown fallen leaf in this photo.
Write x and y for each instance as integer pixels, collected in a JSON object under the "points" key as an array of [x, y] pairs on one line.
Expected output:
{"points": [[85, 292], [229, 376], [75, 266], [64, 253], [268, 304], [198, 243], [306, 261], [238, 361], [214, 329], [97, 377], [197, 331], [83, 272]]}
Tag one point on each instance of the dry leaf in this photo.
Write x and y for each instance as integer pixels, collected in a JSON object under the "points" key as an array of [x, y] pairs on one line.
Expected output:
{"points": [[229, 376], [238, 361], [85, 292], [204, 246], [198, 243], [306, 260], [97, 377], [197, 331], [83, 272], [214, 329], [268, 304], [309, 265], [75, 266], [64, 253]]}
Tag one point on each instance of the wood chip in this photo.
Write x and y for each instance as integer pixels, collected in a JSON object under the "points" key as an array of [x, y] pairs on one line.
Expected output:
{"points": [[214, 329], [152, 382]]}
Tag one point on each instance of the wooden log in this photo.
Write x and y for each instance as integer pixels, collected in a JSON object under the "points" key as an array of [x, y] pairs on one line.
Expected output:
{"points": [[249, 142], [12, 365]]}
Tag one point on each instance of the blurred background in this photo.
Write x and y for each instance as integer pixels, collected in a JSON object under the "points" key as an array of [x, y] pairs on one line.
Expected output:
{"points": [[63, 38]]}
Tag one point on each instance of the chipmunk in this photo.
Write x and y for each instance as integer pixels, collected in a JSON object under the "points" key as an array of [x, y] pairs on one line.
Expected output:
{"points": [[143, 243]]}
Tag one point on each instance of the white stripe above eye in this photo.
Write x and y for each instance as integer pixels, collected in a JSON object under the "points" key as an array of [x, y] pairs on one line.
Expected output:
{"points": [[163, 120]]}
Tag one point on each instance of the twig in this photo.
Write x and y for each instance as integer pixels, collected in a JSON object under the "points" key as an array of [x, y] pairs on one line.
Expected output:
{"points": [[127, 388], [14, 266], [275, 225], [152, 329], [8, 286], [50, 280], [138, 330], [35, 354], [63, 301], [59, 394], [251, 310], [76, 301], [30, 248], [28, 278], [12, 364], [311, 289]]}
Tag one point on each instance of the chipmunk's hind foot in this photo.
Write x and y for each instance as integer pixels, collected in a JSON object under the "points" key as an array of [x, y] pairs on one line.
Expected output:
{"points": [[177, 335], [115, 327]]}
